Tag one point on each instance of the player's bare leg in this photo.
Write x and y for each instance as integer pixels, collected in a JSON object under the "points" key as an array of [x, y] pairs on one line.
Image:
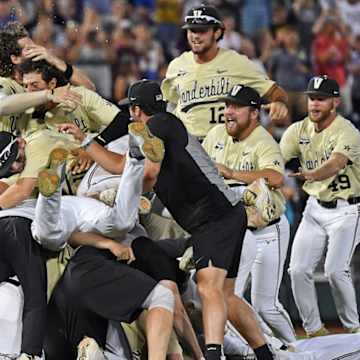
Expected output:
{"points": [[242, 316], [159, 323], [182, 322], [210, 282]]}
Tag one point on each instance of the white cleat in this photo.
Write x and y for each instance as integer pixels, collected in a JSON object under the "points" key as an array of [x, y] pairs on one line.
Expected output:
{"points": [[89, 349], [24, 356]]}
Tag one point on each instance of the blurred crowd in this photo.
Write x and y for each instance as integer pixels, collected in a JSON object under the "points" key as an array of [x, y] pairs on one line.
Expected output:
{"points": [[119, 41]]}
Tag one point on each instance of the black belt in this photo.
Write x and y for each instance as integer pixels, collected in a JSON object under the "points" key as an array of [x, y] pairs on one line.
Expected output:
{"points": [[333, 204], [253, 228]]}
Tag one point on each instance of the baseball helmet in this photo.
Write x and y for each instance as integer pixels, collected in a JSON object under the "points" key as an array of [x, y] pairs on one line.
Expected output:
{"points": [[203, 16]]}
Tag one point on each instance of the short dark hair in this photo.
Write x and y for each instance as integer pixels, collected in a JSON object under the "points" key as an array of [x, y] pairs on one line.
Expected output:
{"points": [[8, 46], [16, 29], [47, 71]]}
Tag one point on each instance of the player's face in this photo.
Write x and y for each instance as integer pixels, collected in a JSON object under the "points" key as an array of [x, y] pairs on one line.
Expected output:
{"points": [[19, 164], [201, 40], [320, 108], [237, 119], [34, 82]]}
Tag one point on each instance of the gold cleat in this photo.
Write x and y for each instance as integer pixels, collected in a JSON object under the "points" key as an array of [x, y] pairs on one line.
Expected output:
{"points": [[323, 331], [49, 178], [150, 146]]}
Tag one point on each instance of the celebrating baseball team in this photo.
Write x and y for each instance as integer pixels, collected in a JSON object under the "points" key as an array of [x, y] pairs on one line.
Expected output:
{"points": [[134, 230]]}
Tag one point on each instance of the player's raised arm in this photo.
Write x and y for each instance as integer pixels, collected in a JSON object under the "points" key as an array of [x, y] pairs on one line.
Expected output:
{"points": [[72, 73]]}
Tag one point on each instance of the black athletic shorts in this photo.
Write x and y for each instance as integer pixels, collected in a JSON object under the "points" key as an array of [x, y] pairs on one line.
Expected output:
{"points": [[95, 281], [153, 260], [218, 243]]}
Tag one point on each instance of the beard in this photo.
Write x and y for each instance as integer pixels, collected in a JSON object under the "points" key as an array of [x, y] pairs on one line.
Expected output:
{"points": [[320, 116]]}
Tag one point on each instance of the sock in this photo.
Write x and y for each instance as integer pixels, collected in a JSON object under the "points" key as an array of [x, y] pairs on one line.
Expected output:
{"points": [[213, 352], [264, 353]]}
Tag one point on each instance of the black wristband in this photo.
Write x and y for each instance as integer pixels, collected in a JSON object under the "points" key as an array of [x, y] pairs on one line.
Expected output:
{"points": [[68, 71]]}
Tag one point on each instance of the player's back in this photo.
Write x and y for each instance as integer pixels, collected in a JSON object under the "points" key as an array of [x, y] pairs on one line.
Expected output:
{"points": [[188, 183]]}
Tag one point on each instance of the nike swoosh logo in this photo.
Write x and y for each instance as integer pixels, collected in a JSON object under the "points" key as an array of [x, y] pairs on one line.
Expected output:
{"points": [[221, 71], [245, 153]]}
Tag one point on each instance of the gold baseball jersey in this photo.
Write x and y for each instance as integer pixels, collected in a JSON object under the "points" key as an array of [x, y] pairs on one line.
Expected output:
{"points": [[195, 88], [92, 115], [258, 151], [37, 149], [15, 122], [313, 148]]}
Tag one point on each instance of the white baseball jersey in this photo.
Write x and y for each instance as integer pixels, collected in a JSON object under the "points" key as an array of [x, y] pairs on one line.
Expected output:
{"points": [[312, 148], [333, 228], [195, 88]]}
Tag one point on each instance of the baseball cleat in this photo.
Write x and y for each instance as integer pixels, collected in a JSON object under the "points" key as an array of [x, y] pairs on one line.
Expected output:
{"points": [[89, 349], [108, 196], [323, 331], [258, 195], [355, 330], [24, 356], [186, 262], [144, 205], [50, 177], [142, 140]]}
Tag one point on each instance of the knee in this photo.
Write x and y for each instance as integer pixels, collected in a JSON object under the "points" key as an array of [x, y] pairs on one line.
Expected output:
{"points": [[208, 290], [299, 273], [263, 307], [162, 297], [335, 276]]}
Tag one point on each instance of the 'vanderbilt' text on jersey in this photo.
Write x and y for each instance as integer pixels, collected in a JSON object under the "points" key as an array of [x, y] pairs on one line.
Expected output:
{"points": [[195, 88], [313, 148]]}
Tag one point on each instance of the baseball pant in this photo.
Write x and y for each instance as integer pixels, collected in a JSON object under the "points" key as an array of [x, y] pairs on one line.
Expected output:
{"points": [[57, 217], [263, 256], [20, 255], [338, 229], [11, 309]]}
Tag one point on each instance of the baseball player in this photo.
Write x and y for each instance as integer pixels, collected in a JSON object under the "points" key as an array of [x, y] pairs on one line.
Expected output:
{"points": [[244, 152], [57, 217], [16, 45], [189, 185], [197, 79], [328, 147], [22, 159]]}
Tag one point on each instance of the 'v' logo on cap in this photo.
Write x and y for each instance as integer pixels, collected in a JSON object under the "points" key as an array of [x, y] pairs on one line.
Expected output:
{"points": [[317, 82], [236, 89]]}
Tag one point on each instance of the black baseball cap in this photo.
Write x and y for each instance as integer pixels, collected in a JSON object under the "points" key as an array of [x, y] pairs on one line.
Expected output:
{"points": [[145, 93], [9, 149], [202, 16], [243, 95], [323, 86]]}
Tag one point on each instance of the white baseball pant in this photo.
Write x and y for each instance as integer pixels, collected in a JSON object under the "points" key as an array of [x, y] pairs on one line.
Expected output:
{"points": [[57, 217], [339, 230], [11, 308], [263, 256]]}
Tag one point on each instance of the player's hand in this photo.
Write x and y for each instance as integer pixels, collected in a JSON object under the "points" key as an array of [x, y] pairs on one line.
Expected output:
{"points": [[224, 171], [81, 163], [303, 175], [37, 53], [64, 95], [122, 252], [278, 111], [70, 128]]}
